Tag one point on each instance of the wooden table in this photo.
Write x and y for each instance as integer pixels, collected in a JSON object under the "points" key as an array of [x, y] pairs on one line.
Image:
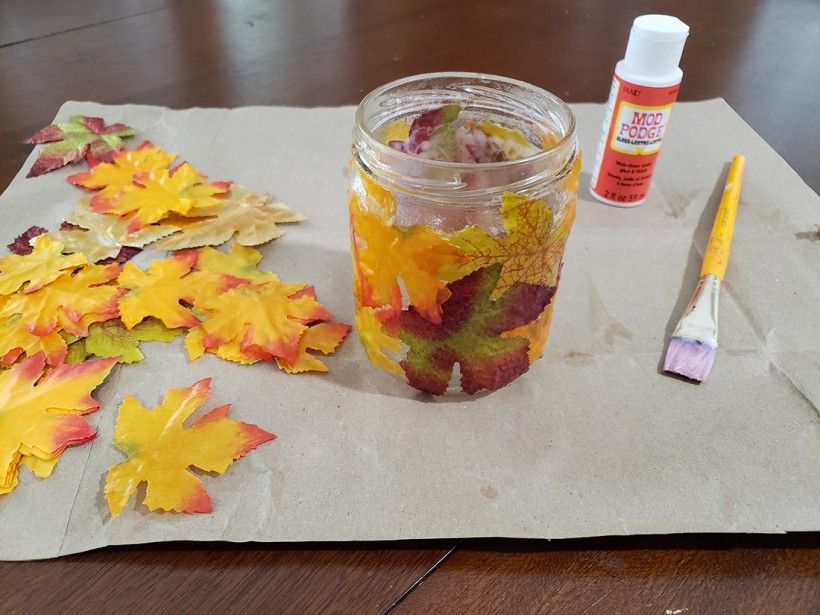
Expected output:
{"points": [[762, 56]]}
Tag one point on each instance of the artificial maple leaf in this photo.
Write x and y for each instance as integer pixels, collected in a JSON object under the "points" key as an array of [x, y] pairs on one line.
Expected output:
{"points": [[22, 243], [324, 337], [158, 292], [71, 302], [45, 264], [125, 254], [160, 449], [117, 176], [397, 130], [80, 136], [249, 216], [370, 325], [374, 198], [16, 340], [431, 134], [181, 190], [76, 352], [530, 251], [536, 332], [241, 262], [218, 272], [100, 236], [423, 259], [112, 339], [230, 351], [470, 334], [267, 319], [41, 414]]}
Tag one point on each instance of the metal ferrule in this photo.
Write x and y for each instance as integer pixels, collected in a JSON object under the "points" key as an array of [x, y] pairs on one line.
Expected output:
{"points": [[700, 321]]}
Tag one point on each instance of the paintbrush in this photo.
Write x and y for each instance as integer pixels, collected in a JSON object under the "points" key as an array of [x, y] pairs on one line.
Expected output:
{"points": [[692, 349]]}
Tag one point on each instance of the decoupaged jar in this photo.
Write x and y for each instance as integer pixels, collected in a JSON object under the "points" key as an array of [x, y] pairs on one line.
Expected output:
{"points": [[462, 196]]}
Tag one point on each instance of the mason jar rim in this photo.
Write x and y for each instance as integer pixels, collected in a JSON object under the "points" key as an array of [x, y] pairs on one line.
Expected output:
{"points": [[544, 153]]}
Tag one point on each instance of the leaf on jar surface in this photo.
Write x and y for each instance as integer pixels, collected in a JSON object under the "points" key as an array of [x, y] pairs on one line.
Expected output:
{"points": [[418, 255], [530, 250], [376, 338], [470, 334]]}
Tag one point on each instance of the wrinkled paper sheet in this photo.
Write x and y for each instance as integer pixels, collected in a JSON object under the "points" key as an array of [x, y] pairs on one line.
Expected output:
{"points": [[592, 441]]}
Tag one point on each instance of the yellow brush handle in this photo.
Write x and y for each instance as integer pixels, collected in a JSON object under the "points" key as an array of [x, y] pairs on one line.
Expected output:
{"points": [[717, 250]]}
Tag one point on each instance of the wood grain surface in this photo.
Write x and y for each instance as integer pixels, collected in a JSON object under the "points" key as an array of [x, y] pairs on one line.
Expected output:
{"points": [[762, 56]]}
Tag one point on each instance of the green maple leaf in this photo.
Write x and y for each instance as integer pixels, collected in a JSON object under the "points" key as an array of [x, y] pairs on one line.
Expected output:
{"points": [[81, 136], [112, 339], [470, 334]]}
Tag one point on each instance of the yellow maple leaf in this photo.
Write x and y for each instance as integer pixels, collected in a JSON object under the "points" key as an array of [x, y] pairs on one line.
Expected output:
{"points": [[529, 252], [160, 449], [158, 292], [241, 262], [162, 192], [418, 255], [218, 272], [104, 235], [115, 177], [250, 216], [374, 338], [324, 337], [16, 340], [230, 351], [374, 198], [267, 319], [41, 414], [45, 264], [70, 303]]}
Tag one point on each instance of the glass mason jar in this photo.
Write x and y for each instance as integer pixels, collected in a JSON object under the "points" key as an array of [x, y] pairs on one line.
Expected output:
{"points": [[457, 257]]}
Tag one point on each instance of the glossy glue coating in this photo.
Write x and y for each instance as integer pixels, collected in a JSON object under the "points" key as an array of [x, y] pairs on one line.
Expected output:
{"points": [[455, 263], [644, 88]]}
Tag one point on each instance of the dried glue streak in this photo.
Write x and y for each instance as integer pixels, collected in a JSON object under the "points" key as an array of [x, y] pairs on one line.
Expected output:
{"points": [[644, 88]]}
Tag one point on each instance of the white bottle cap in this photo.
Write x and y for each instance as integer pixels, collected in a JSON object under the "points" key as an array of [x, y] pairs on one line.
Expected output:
{"points": [[655, 45]]}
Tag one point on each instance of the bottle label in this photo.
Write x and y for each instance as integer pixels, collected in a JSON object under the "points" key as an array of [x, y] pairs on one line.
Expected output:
{"points": [[635, 121]]}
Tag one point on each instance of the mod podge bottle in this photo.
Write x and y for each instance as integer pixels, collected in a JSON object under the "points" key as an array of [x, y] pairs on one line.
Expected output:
{"points": [[644, 88]]}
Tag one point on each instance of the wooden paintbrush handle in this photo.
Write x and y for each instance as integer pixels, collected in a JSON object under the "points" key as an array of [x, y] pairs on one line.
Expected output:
{"points": [[717, 250]]}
